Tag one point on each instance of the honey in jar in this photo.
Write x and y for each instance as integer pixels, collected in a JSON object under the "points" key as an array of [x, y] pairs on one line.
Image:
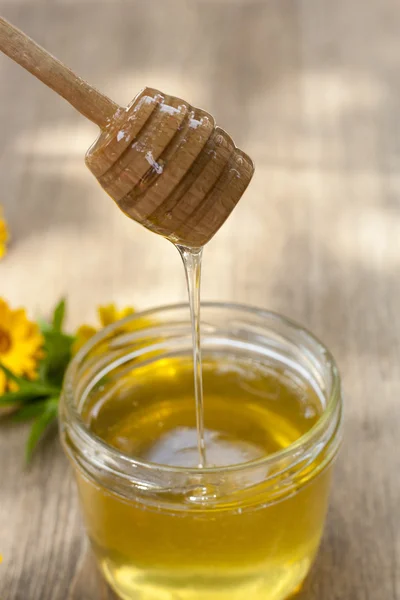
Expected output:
{"points": [[248, 524]]}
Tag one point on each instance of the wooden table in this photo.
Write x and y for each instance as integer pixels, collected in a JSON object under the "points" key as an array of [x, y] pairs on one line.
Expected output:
{"points": [[314, 93]]}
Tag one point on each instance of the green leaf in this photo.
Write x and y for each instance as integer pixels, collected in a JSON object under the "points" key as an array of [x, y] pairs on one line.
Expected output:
{"points": [[58, 354], [19, 397], [59, 315], [41, 389], [42, 370], [44, 326], [30, 410], [28, 390], [31, 393], [26, 385], [10, 375], [39, 427]]}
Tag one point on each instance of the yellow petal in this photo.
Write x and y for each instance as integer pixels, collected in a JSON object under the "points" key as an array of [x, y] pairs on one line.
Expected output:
{"points": [[125, 312], [22, 353], [4, 235], [12, 386], [3, 382], [110, 314], [83, 334], [141, 323], [107, 314], [4, 311]]}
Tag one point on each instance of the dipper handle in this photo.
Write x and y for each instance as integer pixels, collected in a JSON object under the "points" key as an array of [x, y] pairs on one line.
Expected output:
{"points": [[87, 100]]}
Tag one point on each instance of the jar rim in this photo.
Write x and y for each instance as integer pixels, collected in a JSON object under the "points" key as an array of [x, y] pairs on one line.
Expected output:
{"points": [[332, 407]]}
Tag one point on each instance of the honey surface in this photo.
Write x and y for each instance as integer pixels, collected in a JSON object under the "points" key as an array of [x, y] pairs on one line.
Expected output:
{"points": [[171, 546]]}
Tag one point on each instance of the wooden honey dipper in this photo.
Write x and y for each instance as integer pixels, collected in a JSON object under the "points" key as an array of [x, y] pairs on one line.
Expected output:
{"points": [[163, 162]]}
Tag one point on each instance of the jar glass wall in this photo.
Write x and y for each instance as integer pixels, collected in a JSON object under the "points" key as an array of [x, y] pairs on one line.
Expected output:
{"points": [[174, 531]]}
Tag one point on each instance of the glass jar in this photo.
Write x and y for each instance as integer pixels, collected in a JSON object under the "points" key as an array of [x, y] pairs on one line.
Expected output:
{"points": [[162, 532]]}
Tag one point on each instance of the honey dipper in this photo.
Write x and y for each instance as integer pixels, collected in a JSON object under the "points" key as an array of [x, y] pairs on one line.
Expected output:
{"points": [[164, 162]]}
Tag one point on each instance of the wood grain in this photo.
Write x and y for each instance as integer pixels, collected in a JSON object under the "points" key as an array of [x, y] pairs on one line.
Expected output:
{"points": [[168, 167], [88, 583], [317, 236]]}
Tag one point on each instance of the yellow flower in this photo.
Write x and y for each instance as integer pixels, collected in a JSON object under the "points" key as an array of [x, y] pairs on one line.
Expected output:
{"points": [[110, 314], [4, 235], [107, 314], [21, 344]]}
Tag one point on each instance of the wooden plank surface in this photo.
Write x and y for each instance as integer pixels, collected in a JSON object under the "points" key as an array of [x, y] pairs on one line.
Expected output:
{"points": [[313, 92]]}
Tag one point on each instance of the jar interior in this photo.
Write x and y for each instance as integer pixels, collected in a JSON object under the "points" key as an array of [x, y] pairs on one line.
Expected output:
{"points": [[255, 406], [250, 523]]}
